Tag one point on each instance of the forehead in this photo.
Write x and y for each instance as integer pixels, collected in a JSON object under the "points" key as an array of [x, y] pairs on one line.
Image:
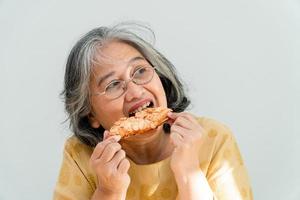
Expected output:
{"points": [[115, 54]]}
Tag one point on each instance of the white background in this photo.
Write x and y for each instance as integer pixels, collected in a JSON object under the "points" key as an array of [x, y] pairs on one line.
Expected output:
{"points": [[240, 60]]}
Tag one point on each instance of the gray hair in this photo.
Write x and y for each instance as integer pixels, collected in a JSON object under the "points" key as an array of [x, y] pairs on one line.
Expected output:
{"points": [[79, 69]]}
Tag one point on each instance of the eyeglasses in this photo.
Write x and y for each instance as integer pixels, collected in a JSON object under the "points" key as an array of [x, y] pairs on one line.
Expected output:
{"points": [[116, 88]]}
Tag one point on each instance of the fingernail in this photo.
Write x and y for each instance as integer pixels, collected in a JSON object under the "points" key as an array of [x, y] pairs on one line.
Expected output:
{"points": [[170, 114], [105, 134], [116, 137]]}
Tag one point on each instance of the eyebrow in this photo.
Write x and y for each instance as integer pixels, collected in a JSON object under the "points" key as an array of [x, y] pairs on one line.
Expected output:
{"points": [[102, 78]]}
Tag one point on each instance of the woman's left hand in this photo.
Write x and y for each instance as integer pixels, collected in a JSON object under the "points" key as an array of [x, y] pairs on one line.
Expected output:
{"points": [[186, 135]]}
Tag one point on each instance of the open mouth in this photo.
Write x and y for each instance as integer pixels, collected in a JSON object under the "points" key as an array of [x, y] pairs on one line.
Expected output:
{"points": [[146, 105]]}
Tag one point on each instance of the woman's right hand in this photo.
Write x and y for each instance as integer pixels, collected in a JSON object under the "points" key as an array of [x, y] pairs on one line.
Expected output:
{"points": [[109, 162]]}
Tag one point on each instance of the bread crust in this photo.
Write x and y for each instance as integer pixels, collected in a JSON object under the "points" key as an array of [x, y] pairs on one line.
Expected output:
{"points": [[143, 121]]}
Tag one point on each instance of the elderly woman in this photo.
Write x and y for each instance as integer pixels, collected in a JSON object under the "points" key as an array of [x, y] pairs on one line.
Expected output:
{"points": [[110, 73]]}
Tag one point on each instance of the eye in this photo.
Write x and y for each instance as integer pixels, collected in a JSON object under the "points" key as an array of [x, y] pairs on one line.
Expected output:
{"points": [[140, 71], [113, 85]]}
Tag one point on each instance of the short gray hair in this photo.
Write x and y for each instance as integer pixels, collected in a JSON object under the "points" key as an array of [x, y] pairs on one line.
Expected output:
{"points": [[79, 68]]}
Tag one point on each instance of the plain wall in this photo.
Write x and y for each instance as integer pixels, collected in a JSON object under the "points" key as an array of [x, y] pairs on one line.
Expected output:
{"points": [[239, 59]]}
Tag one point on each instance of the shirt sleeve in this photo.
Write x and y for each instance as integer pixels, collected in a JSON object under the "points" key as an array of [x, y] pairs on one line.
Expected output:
{"points": [[227, 173], [73, 183]]}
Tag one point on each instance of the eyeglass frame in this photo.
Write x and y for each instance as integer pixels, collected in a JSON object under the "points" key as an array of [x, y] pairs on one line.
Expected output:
{"points": [[126, 83]]}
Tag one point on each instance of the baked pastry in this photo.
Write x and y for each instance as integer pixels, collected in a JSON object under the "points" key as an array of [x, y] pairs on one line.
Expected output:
{"points": [[143, 121]]}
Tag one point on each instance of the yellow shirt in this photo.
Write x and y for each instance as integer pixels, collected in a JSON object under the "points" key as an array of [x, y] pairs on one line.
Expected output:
{"points": [[220, 161]]}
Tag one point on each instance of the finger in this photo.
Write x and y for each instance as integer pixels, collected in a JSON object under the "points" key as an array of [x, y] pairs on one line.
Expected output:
{"points": [[192, 123], [105, 134], [184, 122], [124, 166], [180, 130], [176, 139], [190, 117], [118, 157], [172, 115], [110, 151], [101, 146], [187, 115], [170, 121], [114, 137], [186, 134]]}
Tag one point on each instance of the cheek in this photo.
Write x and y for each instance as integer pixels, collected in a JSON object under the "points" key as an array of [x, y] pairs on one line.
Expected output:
{"points": [[107, 113], [158, 91], [161, 90]]}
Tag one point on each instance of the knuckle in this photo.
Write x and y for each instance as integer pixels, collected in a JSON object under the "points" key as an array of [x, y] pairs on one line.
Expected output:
{"points": [[114, 147], [108, 166], [99, 146], [126, 162], [118, 145], [180, 117], [122, 153], [110, 148], [109, 173]]}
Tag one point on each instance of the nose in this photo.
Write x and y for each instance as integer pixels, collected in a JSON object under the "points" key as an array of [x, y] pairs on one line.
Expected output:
{"points": [[134, 91]]}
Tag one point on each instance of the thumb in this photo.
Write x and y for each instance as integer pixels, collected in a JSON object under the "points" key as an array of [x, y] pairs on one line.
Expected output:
{"points": [[172, 115], [105, 134]]}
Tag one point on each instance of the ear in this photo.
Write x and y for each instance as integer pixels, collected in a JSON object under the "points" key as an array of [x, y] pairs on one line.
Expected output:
{"points": [[93, 121]]}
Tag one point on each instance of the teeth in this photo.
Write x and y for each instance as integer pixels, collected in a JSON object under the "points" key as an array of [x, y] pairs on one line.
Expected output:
{"points": [[140, 108]]}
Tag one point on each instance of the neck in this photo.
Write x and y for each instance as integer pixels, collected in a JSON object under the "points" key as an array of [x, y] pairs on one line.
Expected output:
{"points": [[148, 148]]}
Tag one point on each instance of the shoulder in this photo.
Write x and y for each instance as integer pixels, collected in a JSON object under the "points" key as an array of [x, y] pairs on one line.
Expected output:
{"points": [[76, 177], [219, 146], [214, 128], [216, 137], [79, 155], [75, 148]]}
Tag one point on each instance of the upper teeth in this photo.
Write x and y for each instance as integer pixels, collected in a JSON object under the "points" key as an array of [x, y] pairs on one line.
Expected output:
{"points": [[140, 108]]}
